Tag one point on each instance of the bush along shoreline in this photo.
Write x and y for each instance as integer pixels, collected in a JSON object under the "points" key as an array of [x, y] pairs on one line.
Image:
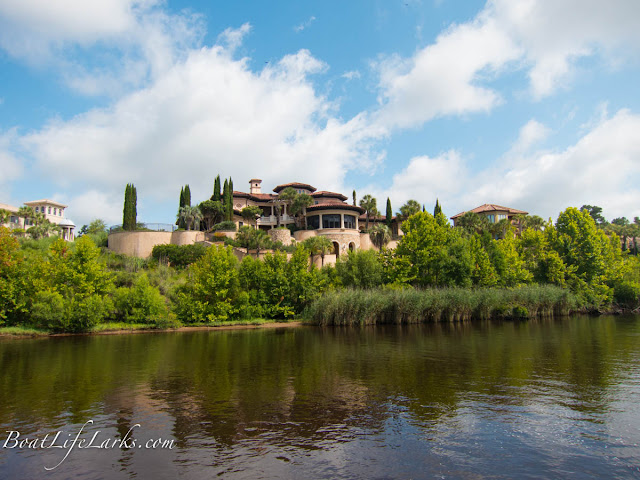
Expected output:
{"points": [[436, 273], [409, 305]]}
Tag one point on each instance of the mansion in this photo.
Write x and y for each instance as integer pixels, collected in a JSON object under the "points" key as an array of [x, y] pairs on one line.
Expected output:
{"points": [[329, 215], [52, 211]]}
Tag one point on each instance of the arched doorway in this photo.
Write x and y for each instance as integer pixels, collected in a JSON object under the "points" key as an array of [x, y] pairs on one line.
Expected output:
{"points": [[352, 247], [336, 249]]}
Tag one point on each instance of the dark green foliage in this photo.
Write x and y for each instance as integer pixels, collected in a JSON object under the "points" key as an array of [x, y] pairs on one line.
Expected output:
{"points": [[129, 213], [627, 294], [226, 226], [361, 268], [142, 303], [212, 292], [179, 256], [216, 197], [437, 209], [389, 217]]}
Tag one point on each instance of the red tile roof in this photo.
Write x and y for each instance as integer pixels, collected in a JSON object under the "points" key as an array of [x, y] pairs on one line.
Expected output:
{"points": [[335, 206], [490, 207], [324, 193], [294, 185]]}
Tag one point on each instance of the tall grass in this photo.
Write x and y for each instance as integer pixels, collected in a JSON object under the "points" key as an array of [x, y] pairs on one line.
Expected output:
{"points": [[368, 307]]}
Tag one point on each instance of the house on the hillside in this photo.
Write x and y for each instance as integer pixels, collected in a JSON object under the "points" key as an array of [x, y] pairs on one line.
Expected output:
{"points": [[329, 215], [52, 211], [494, 213]]}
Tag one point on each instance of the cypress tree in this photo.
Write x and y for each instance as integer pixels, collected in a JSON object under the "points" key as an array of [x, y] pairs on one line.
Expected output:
{"points": [[225, 198], [125, 210], [389, 212], [230, 199], [437, 209], [187, 196], [134, 208], [216, 189], [354, 197]]}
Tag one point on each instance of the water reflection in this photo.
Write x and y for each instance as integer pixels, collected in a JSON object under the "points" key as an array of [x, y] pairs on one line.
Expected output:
{"points": [[540, 398]]}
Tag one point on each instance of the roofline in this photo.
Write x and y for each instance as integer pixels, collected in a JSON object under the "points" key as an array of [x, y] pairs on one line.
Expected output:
{"points": [[306, 186], [500, 208], [335, 206], [46, 200]]}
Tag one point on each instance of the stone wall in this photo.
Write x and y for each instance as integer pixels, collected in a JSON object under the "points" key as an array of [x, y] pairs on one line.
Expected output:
{"points": [[281, 235], [137, 244], [188, 237]]}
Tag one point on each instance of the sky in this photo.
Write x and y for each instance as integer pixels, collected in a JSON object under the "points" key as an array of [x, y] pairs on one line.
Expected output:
{"points": [[531, 104]]}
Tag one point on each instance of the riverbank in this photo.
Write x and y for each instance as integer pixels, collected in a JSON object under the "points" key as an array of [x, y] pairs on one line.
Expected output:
{"points": [[120, 328]]}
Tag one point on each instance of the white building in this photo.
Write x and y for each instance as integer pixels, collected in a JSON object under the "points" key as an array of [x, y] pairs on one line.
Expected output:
{"points": [[52, 211]]}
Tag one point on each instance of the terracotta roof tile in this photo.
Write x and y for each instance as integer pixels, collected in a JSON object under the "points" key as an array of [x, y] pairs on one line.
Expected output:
{"points": [[491, 207], [306, 186]]}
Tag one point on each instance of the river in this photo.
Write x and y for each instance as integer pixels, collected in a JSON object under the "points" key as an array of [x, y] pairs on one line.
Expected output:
{"points": [[538, 399]]}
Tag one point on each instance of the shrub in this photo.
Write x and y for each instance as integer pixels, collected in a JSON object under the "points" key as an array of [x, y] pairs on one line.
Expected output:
{"points": [[142, 303], [179, 256], [627, 293], [226, 226]]}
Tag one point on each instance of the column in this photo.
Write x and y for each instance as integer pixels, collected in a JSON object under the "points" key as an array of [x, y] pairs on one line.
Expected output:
{"points": [[342, 220]]}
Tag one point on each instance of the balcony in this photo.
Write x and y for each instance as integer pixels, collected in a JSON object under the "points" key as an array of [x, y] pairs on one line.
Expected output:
{"points": [[273, 220]]}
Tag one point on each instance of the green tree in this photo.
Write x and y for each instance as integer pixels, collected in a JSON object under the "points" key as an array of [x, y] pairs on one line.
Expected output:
{"points": [[226, 200], [594, 260], [380, 235], [318, 245], [360, 269], [471, 223], [253, 239], [250, 213], [389, 214], [595, 213], [437, 209], [190, 216], [212, 212], [299, 205], [510, 268], [216, 197], [354, 197], [410, 208], [370, 206], [212, 292], [129, 214], [483, 274]]}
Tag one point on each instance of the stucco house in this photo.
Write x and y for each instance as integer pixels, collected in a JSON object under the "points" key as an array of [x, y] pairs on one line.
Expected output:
{"points": [[493, 212], [329, 215], [52, 211]]}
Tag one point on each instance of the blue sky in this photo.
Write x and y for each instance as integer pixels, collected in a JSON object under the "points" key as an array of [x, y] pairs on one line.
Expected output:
{"points": [[531, 104]]}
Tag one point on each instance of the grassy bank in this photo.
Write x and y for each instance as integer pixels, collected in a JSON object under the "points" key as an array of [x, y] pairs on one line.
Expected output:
{"points": [[374, 306], [122, 327]]}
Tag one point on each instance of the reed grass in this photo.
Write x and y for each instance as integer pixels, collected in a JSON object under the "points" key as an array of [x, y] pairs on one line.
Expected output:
{"points": [[379, 306]]}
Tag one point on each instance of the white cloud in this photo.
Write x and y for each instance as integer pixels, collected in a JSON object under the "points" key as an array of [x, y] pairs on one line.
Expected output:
{"points": [[546, 38], [444, 78], [233, 37], [299, 28], [206, 115], [93, 204], [351, 75], [97, 47], [531, 133], [10, 165], [602, 168]]}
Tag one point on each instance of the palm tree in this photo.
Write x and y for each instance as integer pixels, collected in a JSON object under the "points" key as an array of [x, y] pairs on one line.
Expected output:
{"points": [[299, 205], [253, 239], [472, 223], [410, 208], [370, 206], [190, 216], [319, 245], [380, 235], [27, 213]]}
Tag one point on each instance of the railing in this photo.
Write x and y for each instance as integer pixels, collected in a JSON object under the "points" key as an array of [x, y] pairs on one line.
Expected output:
{"points": [[142, 227]]}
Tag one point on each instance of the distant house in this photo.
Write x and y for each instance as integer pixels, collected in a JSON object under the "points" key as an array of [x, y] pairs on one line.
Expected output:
{"points": [[52, 211], [494, 213]]}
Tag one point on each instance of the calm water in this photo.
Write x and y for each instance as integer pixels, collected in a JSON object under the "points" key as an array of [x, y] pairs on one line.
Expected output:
{"points": [[542, 399]]}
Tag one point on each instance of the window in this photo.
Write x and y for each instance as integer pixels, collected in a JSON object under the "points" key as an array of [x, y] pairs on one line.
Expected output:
{"points": [[349, 221], [492, 218], [49, 210], [60, 211], [13, 219], [313, 222], [502, 217], [331, 221], [55, 211]]}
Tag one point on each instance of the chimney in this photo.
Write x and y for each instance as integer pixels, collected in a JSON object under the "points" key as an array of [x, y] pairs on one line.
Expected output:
{"points": [[255, 185]]}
